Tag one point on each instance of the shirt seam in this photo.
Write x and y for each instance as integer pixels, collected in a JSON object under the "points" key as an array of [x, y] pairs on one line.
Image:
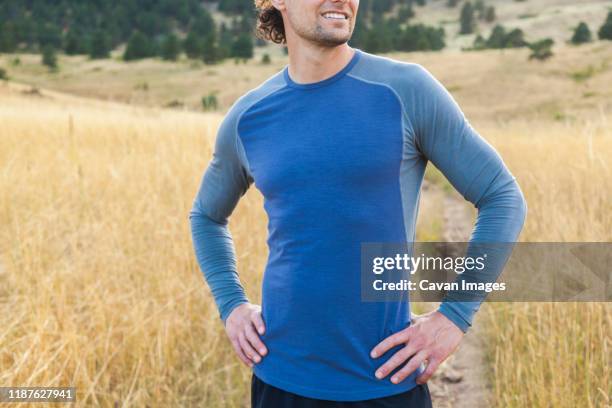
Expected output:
{"points": [[405, 118], [397, 96], [237, 133]]}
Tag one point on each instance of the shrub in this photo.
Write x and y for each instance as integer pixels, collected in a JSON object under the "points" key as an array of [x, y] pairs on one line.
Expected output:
{"points": [[605, 32], [582, 34], [209, 102], [541, 50]]}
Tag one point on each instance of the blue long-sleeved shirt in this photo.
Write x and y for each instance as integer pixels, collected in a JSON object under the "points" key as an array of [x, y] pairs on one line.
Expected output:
{"points": [[340, 162]]}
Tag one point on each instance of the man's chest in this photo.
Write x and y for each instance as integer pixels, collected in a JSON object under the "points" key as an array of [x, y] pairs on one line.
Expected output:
{"points": [[321, 142]]}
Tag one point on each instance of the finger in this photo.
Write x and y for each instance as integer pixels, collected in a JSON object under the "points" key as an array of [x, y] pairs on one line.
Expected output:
{"points": [[258, 322], [390, 342], [432, 366], [240, 353], [255, 341], [248, 349], [395, 361], [409, 368]]}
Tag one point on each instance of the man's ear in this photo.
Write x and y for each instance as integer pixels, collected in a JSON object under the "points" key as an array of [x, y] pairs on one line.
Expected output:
{"points": [[279, 4]]}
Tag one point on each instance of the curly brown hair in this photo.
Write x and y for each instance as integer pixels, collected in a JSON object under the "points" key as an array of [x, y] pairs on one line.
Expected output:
{"points": [[270, 24]]}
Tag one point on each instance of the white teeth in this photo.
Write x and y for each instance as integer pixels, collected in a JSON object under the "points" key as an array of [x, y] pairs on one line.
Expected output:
{"points": [[335, 16]]}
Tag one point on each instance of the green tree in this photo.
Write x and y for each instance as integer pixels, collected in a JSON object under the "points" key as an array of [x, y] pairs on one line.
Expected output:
{"points": [[405, 12], [49, 58], [242, 47], [515, 39], [171, 48], [100, 45], [225, 41], [192, 46], [49, 34], [75, 44], [203, 25], [8, 38], [497, 39], [605, 31], [210, 50], [467, 21], [582, 34], [419, 37], [138, 47], [479, 43]]}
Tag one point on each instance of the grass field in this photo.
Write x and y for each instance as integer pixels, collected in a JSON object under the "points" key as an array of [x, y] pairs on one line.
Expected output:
{"points": [[556, 354], [98, 283]]}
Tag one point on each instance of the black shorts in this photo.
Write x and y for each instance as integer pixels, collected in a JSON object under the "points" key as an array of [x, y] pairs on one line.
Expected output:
{"points": [[267, 396]]}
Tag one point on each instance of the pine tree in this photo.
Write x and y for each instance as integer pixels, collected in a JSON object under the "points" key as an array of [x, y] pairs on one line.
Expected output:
{"points": [[100, 45], [74, 45], [479, 43], [138, 47], [8, 40], [497, 39], [405, 12], [242, 47], [203, 25], [170, 48], [582, 34], [515, 39], [48, 57], [210, 51], [192, 46], [605, 32], [467, 19]]}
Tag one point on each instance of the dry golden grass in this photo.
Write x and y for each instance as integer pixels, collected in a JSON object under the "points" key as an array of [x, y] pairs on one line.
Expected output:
{"points": [[98, 285], [556, 354]]}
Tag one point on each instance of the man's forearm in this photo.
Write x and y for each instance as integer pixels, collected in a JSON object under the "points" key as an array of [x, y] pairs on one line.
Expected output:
{"points": [[501, 215], [214, 249]]}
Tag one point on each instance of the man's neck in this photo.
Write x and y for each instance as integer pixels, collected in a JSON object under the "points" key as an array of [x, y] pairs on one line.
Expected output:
{"points": [[314, 64]]}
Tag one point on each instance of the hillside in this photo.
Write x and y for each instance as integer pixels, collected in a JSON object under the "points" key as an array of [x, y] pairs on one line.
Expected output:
{"points": [[537, 18], [216, 30], [490, 85]]}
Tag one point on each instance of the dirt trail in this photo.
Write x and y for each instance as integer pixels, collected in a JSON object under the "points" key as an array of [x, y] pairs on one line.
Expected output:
{"points": [[461, 381]]}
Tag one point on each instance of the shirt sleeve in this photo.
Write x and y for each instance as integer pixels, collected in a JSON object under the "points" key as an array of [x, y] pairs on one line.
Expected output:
{"points": [[224, 182], [445, 137]]}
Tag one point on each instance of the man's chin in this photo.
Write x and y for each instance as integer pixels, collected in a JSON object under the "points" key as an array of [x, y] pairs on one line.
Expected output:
{"points": [[334, 41]]}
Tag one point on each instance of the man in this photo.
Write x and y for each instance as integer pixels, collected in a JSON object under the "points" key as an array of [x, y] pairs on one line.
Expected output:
{"points": [[337, 142]]}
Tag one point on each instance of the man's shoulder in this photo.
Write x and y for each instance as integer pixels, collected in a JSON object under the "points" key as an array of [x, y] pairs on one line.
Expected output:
{"points": [[401, 76], [248, 99]]}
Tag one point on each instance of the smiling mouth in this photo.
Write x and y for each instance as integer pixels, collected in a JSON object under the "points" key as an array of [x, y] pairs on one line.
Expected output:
{"points": [[335, 16]]}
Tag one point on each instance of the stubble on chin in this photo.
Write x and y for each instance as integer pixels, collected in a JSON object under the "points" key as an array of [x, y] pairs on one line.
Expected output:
{"points": [[329, 39]]}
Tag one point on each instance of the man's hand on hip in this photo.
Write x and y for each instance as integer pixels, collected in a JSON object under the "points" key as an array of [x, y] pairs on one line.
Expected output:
{"points": [[431, 337], [242, 327]]}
